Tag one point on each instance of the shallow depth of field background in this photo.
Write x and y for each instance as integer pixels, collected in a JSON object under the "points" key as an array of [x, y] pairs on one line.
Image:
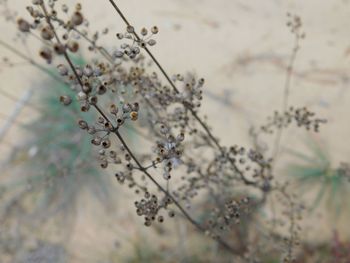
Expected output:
{"points": [[241, 48]]}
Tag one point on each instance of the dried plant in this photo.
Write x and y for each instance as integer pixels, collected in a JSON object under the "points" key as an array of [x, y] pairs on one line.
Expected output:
{"points": [[181, 160]]}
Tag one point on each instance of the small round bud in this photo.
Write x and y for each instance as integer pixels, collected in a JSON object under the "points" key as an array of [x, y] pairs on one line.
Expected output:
{"points": [[151, 42], [83, 124], [104, 164], [171, 213], [133, 115], [77, 18], [62, 70], [101, 90], [130, 29], [73, 46], [93, 100], [154, 30], [144, 31], [65, 100], [46, 54], [113, 109], [106, 143], [46, 33], [23, 25], [81, 95], [59, 48]]}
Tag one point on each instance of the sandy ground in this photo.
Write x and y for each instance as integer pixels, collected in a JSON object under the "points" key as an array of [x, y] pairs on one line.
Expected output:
{"points": [[241, 48]]}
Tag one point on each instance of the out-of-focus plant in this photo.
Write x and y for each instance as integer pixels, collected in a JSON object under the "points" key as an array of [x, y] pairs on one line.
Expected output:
{"points": [[316, 171]]}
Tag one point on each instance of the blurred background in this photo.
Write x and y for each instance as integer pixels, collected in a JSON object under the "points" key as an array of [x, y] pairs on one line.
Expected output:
{"points": [[242, 49]]}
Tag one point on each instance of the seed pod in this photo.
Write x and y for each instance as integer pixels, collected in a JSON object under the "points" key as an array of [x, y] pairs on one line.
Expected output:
{"points": [[171, 213], [104, 164], [93, 100], [144, 31], [46, 33], [113, 109], [96, 140], [106, 143], [154, 30], [88, 71], [23, 25], [73, 46], [85, 106], [120, 36], [77, 18], [130, 29], [133, 115], [81, 95], [86, 88], [83, 124], [59, 48], [46, 54], [151, 42], [62, 70], [101, 90], [65, 100]]}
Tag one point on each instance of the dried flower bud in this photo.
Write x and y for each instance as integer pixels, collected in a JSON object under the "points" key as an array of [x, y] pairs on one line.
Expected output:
{"points": [[65, 100], [101, 90], [23, 25], [77, 18]]}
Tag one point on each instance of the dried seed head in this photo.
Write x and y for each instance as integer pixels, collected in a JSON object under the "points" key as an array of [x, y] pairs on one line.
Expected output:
{"points": [[65, 100]]}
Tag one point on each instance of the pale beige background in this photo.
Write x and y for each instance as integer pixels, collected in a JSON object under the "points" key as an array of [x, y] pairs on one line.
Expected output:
{"points": [[241, 47]]}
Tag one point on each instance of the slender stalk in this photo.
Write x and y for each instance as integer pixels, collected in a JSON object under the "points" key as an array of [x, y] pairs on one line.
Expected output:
{"points": [[286, 91], [144, 170]]}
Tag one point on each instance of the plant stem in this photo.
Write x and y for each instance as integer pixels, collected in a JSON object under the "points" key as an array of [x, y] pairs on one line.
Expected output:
{"points": [[116, 132], [194, 114]]}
